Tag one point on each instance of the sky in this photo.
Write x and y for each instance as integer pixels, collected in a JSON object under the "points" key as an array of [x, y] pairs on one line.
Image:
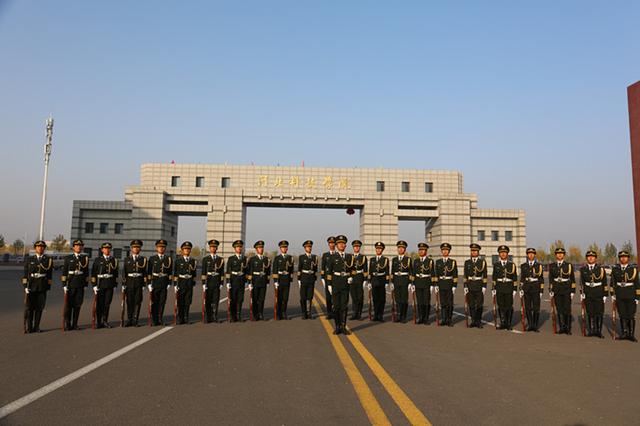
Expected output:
{"points": [[526, 99]]}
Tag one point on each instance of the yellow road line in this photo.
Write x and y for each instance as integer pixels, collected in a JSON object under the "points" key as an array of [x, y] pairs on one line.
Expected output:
{"points": [[369, 402], [408, 408]]}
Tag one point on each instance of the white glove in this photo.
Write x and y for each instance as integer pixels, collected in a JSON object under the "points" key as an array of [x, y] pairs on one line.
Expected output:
{"points": [[484, 290], [540, 296], [65, 288], [369, 285], [412, 287], [513, 293], [330, 290], [604, 299], [391, 286], [437, 289], [453, 290], [521, 293], [572, 294], [349, 280], [493, 292], [636, 301], [124, 288], [364, 285], [431, 288], [582, 296], [466, 290], [324, 285], [220, 287], [299, 284], [150, 287], [95, 289], [204, 287], [613, 297], [275, 284], [228, 286], [251, 287], [175, 289], [26, 290], [550, 294]]}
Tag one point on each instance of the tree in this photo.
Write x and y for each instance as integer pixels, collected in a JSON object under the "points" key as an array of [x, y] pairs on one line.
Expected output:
{"points": [[58, 243], [1, 241], [627, 246], [574, 254], [196, 252], [593, 246], [543, 256], [18, 246], [610, 253], [556, 244]]}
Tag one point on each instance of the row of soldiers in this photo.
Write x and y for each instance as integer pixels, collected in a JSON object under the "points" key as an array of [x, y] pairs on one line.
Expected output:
{"points": [[343, 276]]}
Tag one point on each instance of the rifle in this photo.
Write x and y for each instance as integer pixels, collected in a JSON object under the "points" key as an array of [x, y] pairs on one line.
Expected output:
{"points": [[228, 305], [437, 308], [614, 316], [466, 309], [495, 312], [122, 302], [150, 307], [204, 295], [413, 296], [94, 306], [370, 315], [275, 302], [553, 314], [175, 309], [583, 316], [393, 305], [64, 309], [251, 304], [26, 313], [522, 316]]}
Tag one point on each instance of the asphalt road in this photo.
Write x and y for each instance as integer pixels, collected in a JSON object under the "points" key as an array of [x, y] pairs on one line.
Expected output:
{"points": [[295, 372]]}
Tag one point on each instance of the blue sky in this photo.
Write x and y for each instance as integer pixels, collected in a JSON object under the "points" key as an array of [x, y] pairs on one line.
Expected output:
{"points": [[528, 100]]}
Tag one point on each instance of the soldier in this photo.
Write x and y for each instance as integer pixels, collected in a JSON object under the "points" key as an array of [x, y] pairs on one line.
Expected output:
{"points": [[134, 280], [562, 287], [505, 284], [282, 276], [160, 277], [258, 275], [184, 279], [423, 271], [338, 277], [212, 281], [378, 281], [624, 281], [475, 284], [104, 278], [401, 278], [531, 288], [360, 273], [594, 291], [36, 281], [236, 280], [307, 276], [447, 274], [331, 242], [75, 277]]}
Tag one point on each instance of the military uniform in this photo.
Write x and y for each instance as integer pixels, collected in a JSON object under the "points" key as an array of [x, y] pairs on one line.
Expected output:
{"points": [[562, 284], [401, 278], [338, 276], [160, 277], [378, 280], [282, 276], [307, 276], [626, 289], [258, 274], [212, 281], [134, 280], [595, 289], [236, 279], [360, 272], [74, 277], [532, 287], [475, 284], [326, 257], [505, 284], [447, 273], [424, 278], [36, 280], [184, 279], [104, 278]]}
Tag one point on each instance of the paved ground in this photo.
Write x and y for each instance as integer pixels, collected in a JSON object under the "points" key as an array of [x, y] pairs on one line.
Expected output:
{"points": [[294, 372]]}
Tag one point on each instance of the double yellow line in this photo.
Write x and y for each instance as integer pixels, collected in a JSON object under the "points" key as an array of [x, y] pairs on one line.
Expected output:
{"points": [[369, 402]]}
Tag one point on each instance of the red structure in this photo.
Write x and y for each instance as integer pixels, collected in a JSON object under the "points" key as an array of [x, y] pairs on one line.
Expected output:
{"points": [[633, 93]]}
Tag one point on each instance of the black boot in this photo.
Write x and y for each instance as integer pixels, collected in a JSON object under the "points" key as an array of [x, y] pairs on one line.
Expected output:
{"points": [[536, 320], [598, 330], [74, 321], [568, 321], [359, 311], [632, 330], [502, 320], [36, 321], [336, 321], [214, 315], [354, 308], [345, 330], [509, 318], [309, 310], [105, 318]]}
